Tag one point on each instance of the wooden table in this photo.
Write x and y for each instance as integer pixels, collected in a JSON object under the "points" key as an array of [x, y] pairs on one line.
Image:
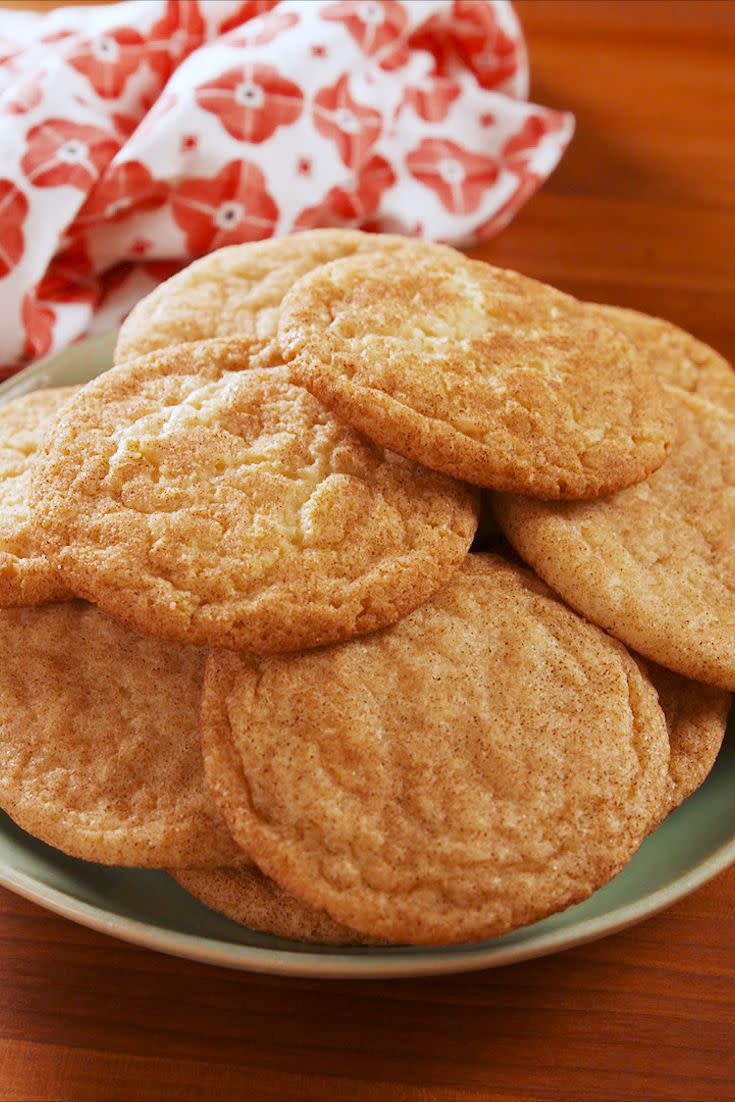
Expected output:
{"points": [[641, 212]]}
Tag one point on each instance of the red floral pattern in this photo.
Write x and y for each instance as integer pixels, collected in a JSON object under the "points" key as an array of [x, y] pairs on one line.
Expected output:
{"points": [[525, 141], [351, 206], [432, 100], [377, 26], [229, 208], [248, 10], [266, 29], [174, 36], [161, 107], [70, 277], [108, 60], [527, 185], [27, 94], [252, 102], [147, 176], [490, 53], [459, 178], [354, 128], [125, 124], [38, 323], [162, 269], [63, 152], [13, 213], [469, 36], [123, 188]]}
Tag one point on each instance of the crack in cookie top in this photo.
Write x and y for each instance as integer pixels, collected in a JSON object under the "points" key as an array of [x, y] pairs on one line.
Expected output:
{"points": [[676, 356], [487, 760], [202, 499], [99, 741], [654, 564], [476, 371], [26, 576], [237, 291]]}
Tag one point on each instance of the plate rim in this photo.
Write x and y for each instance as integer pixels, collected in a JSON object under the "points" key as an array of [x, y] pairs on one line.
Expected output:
{"points": [[375, 963], [398, 962]]}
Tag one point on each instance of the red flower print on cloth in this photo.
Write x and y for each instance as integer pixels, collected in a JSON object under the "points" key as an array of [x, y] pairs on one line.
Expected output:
{"points": [[38, 323], [490, 53], [247, 11], [366, 113], [354, 128], [432, 99], [123, 187], [26, 95], [377, 26], [140, 246], [9, 50], [351, 207], [161, 270], [174, 36], [13, 212], [265, 30], [64, 152], [114, 278], [515, 156], [527, 186], [469, 36], [521, 145], [252, 102], [458, 177], [69, 278], [108, 60], [125, 125], [227, 209], [161, 107]]}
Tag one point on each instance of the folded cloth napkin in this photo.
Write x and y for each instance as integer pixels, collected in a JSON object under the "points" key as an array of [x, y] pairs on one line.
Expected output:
{"points": [[137, 136]]}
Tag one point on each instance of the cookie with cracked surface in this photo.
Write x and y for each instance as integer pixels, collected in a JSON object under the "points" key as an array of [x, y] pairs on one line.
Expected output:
{"points": [[248, 897], [26, 577], [678, 358], [237, 292], [476, 371], [486, 761], [654, 564], [200, 499], [696, 716], [99, 741]]}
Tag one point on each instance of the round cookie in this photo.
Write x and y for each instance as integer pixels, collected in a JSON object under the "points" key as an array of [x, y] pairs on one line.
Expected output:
{"points": [[655, 564], [99, 741], [696, 716], [477, 372], [237, 291], [678, 358], [26, 578], [486, 761], [205, 502], [252, 899]]}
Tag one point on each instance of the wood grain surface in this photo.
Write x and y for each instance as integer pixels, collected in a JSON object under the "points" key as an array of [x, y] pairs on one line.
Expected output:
{"points": [[641, 212]]}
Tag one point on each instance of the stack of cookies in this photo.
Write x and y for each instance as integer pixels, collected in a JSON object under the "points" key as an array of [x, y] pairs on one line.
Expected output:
{"points": [[248, 637]]}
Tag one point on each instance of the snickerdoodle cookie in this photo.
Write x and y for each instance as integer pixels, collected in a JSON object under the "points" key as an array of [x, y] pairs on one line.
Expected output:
{"points": [[247, 896], [99, 741], [26, 577], [696, 716], [489, 759], [237, 291], [476, 371], [678, 357], [655, 564], [205, 501]]}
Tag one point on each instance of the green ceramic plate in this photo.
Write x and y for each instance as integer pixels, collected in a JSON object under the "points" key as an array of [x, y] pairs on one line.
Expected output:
{"points": [[147, 908]]}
